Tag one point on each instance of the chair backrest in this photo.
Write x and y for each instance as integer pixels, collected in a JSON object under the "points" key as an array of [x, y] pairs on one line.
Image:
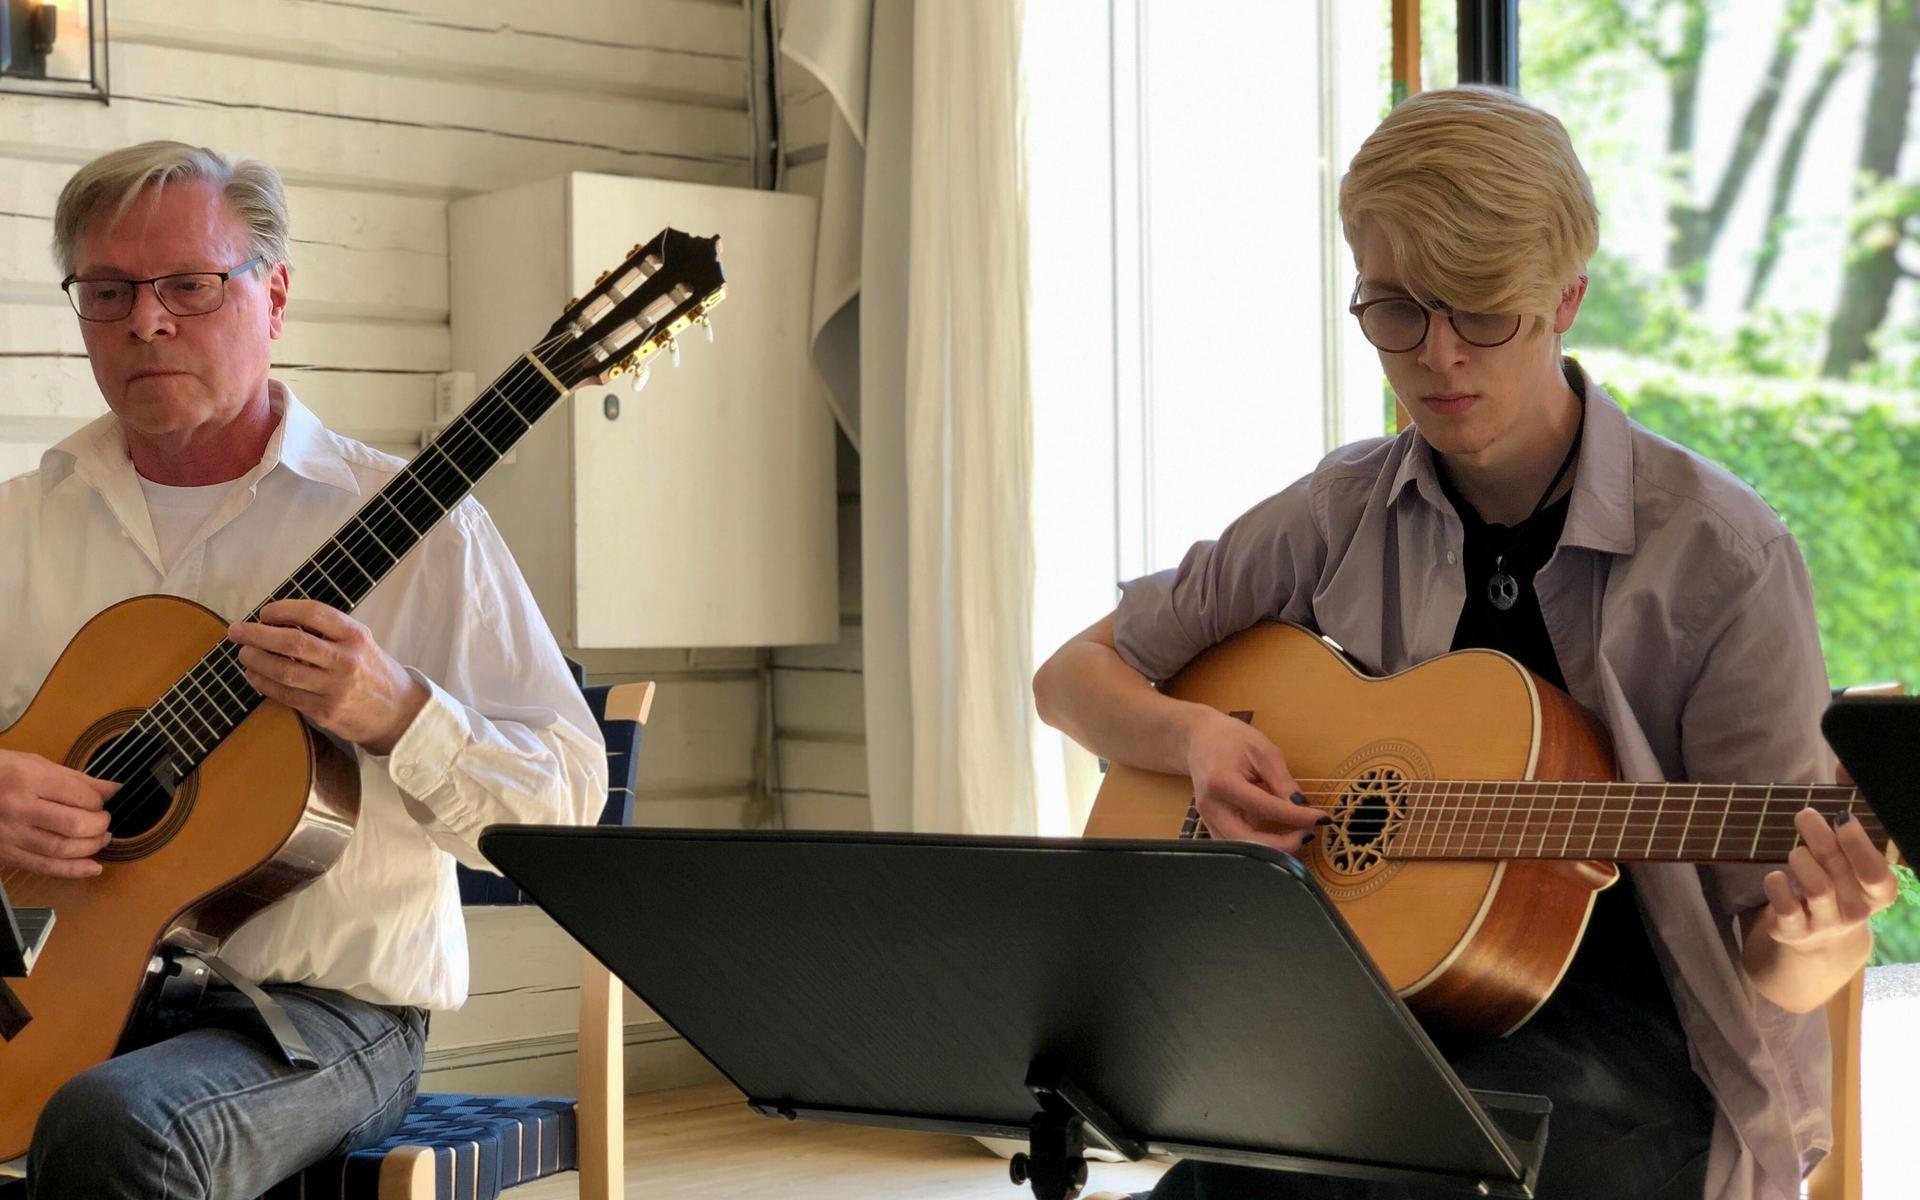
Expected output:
{"points": [[621, 709]]}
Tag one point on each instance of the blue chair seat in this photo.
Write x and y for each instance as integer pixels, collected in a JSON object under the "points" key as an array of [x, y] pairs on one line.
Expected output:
{"points": [[478, 1144]]}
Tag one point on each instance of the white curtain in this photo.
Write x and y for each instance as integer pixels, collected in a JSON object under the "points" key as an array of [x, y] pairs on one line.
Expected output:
{"points": [[921, 339]]}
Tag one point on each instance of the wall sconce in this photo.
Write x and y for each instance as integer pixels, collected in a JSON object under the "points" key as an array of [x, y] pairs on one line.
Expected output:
{"points": [[54, 48]]}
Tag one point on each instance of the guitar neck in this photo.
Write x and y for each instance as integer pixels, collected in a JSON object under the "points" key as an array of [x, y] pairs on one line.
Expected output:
{"points": [[1619, 822], [211, 700], [1613, 822]]}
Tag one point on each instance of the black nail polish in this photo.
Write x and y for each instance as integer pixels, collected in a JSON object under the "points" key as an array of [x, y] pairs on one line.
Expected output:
{"points": [[1305, 840], [1297, 798], [1324, 821], [1842, 819]]}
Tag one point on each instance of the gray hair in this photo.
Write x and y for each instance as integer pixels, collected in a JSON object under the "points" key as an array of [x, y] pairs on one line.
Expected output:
{"points": [[108, 186]]}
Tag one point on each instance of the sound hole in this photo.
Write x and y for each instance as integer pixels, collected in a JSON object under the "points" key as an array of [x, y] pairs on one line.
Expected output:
{"points": [[141, 804], [1374, 799]]}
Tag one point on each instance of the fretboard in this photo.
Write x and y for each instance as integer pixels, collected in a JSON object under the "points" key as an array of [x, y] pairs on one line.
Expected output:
{"points": [[1619, 822], [211, 699]]}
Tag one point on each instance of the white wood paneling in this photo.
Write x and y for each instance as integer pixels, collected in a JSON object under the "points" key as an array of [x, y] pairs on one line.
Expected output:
{"points": [[689, 53]]}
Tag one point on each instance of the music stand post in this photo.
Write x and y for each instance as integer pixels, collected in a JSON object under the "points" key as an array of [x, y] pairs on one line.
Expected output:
{"points": [[1202, 998]]}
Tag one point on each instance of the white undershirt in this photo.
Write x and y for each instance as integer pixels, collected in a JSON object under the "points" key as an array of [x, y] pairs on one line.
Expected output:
{"points": [[178, 513]]}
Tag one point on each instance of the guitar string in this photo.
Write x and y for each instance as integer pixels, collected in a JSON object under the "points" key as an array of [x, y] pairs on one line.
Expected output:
{"points": [[499, 403], [127, 755]]}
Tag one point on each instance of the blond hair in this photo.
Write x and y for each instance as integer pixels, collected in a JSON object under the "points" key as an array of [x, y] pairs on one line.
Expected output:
{"points": [[1480, 197], [108, 186]]}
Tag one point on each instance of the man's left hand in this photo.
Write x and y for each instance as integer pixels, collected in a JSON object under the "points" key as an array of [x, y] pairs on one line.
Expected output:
{"points": [[324, 665]]}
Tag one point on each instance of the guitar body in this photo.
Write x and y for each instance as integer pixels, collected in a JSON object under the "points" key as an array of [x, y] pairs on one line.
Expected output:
{"points": [[270, 808], [1474, 947]]}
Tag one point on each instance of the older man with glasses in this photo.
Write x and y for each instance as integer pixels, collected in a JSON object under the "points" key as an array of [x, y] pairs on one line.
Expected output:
{"points": [[1523, 512], [209, 479]]}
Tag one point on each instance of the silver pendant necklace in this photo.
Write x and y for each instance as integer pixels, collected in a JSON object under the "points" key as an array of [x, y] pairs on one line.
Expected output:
{"points": [[1503, 590]]}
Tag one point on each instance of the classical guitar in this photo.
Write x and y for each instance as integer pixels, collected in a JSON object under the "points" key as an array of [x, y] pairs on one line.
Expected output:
{"points": [[228, 802], [1475, 813]]}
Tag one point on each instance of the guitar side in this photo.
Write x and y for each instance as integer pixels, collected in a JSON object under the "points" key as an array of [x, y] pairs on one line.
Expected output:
{"points": [[268, 810]]}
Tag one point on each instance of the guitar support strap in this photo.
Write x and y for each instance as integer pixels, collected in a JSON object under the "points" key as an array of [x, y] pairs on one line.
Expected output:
{"points": [[275, 1024]]}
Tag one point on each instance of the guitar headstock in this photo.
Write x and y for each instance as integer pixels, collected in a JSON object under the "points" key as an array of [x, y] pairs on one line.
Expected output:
{"points": [[636, 310]]}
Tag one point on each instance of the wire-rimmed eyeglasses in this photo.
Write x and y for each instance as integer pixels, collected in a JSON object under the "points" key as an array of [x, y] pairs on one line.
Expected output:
{"points": [[184, 294]]}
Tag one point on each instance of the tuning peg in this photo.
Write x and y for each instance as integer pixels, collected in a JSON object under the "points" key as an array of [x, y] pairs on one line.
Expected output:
{"points": [[601, 278], [634, 250], [640, 378], [673, 347], [706, 323]]}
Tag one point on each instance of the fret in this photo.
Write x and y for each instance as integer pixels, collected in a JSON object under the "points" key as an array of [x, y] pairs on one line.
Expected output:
{"points": [[160, 727], [1601, 811], [180, 726], [186, 713], [412, 477], [1659, 812], [494, 393], [1573, 819], [1526, 822], [453, 462], [1552, 808], [392, 558], [239, 699], [470, 449], [394, 508], [1447, 846], [1753, 851], [1722, 830], [366, 545], [473, 427], [314, 563], [192, 679], [1680, 851], [434, 473], [340, 547], [310, 589]]}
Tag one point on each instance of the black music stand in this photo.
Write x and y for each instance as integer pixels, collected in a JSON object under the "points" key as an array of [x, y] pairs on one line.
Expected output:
{"points": [[23, 932], [1875, 738], [1202, 999]]}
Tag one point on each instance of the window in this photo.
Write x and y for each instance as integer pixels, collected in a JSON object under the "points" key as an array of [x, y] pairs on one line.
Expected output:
{"points": [[1753, 295], [1191, 351]]}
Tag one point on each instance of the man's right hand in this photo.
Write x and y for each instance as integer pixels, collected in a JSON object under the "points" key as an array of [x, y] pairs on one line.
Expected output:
{"points": [[52, 818], [1242, 786]]}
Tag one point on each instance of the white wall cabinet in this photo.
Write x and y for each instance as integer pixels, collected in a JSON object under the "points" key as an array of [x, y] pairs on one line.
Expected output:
{"points": [[699, 511]]}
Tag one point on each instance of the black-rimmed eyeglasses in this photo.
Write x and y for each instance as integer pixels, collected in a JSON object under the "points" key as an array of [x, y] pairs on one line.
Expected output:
{"points": [[1397, 324], [186, 294]]}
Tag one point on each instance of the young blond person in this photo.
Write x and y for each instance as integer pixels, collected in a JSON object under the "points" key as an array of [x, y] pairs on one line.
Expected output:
{"points": [[1522, 511]]}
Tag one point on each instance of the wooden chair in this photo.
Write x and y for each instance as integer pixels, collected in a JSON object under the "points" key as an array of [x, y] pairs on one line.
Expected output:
{"points": [[1838, 1177], [462, 1147]]}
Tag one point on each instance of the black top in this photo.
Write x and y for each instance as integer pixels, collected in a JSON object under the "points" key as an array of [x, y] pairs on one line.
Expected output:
{"points": [[1608, 1047]]}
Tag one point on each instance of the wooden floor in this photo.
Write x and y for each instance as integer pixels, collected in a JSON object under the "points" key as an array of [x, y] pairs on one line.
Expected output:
{"points": [[703, 1142]]}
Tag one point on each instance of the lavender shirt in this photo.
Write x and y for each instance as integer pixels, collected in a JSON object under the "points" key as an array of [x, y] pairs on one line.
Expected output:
{"points": [[1680, 611]]}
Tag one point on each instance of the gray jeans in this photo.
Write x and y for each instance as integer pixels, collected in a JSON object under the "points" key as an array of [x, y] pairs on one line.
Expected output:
{"points": [[214, 1112]]}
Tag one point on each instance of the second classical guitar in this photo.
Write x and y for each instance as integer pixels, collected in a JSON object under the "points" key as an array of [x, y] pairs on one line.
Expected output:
{"points": [[1475, 813]]}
